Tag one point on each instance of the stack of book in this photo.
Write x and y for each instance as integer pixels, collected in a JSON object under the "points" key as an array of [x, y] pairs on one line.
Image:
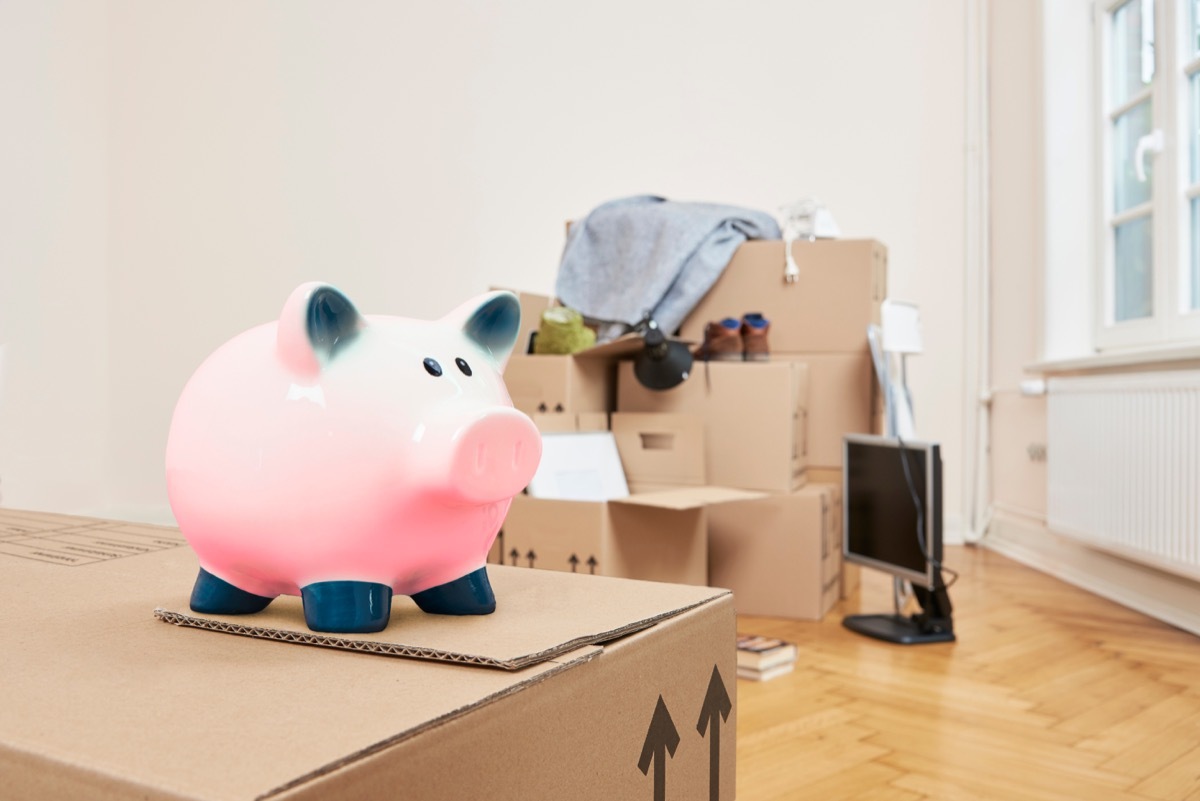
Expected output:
{"points": [[762, 658]]}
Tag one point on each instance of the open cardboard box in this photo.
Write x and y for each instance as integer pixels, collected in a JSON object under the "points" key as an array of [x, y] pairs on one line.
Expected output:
{"points": [[754, 413], [780, 554], [582, 688], [654, 536], [658, 533]]}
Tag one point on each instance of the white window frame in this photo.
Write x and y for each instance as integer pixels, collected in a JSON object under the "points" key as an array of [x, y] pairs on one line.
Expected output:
{"points": [[1171, 323]]}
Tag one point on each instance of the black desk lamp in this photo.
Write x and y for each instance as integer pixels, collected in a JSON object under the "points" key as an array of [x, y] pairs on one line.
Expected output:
{"points": [[662, 364]]}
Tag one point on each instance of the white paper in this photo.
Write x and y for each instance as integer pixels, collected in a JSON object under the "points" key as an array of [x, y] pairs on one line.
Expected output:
{"points": [[581, 466]]}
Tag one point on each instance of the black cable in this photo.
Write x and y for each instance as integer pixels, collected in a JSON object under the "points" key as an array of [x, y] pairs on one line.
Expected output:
{"points": [[912, 491]]}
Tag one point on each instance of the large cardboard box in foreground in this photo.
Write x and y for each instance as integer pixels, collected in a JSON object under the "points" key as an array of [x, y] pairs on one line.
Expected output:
{"points": [[780, 554], [578, 687], [839, 292], [755, 418]]}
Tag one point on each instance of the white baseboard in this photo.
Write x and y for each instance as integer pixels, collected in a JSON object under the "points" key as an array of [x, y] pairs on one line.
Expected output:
{"points": [[1172, 599]]}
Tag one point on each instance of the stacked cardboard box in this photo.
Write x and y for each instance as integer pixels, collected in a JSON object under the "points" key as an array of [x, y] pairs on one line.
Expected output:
{"points": [[658, 533], [764, 427], [820, 319], [781, 554]]}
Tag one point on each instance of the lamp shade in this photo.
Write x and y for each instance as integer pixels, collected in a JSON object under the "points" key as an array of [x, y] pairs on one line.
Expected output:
{"points": [[662, 364]]}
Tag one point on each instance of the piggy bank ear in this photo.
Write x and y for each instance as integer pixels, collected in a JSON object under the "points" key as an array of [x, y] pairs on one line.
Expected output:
{"points": [[316, 322], [492, 322]]}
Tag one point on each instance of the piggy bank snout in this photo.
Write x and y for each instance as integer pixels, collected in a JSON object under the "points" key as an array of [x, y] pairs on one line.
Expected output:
{"points": [[495, 456]]}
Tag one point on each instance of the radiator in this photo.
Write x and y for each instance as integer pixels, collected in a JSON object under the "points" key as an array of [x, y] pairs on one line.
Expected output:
{"points": [[1123, 465]]}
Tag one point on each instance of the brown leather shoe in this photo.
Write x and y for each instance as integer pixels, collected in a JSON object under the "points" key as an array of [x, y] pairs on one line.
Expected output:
{"points": [[722, 342], [754, 332]]}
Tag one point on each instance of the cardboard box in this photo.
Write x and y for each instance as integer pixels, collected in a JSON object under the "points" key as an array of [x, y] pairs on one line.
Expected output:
{"points": [[780, 554], [582, 688], [841, 391], [658, 536], [660, 451], [838, 294], [824, 475], [567, 422], [755, 419], [581, 382]]}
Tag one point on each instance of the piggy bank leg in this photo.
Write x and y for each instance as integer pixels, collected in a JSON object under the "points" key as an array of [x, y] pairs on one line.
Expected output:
{"points": [[349, 607], [469, 595], [214, 596]]}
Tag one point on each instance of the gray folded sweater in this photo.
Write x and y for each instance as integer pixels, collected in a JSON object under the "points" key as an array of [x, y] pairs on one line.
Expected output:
{"points": [[646, 254]]}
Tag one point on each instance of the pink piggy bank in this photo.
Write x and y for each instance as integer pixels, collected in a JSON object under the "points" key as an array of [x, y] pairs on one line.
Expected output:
{"points": [[344, 457]]}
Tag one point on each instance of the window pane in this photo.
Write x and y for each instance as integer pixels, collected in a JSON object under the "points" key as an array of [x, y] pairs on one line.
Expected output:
{"points": [[1132, 49], [1128, 191], [1194, 277], [1133, 286], [1194, 126], [1194, 30]]}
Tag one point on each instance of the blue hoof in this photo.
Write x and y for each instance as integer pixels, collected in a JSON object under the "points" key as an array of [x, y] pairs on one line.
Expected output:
{"points": [[347, 607], [214, 596], [469, 595]]}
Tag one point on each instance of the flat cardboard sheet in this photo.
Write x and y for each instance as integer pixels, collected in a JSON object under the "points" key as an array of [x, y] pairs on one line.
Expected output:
{"points": [[536, 618], [98, 693]]}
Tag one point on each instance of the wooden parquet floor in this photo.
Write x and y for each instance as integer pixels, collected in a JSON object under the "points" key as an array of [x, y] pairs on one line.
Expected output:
{"points": [[1050, 694]]}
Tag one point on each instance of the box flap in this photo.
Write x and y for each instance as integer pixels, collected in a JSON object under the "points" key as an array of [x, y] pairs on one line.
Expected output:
{"points": [[688, 497], [627, 345]]}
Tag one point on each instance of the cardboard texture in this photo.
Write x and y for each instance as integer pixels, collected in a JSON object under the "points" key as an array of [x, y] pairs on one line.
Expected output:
{"points": [[103, 701], [658, 536], [563, 422], [755, 419], [840, 397], [581, 382], [825, 475], [660, 451], [780, 554], [838, 294]]}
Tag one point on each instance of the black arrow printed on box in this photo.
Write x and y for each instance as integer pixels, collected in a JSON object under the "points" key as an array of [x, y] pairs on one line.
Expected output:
{"points": [[661, 737], [715, 709], [592, 564], [573, 562], [531, 556], [514, 554]]}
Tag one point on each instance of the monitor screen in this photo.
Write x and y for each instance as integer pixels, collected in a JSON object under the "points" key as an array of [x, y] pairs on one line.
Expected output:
{"points": [[881, 518]]}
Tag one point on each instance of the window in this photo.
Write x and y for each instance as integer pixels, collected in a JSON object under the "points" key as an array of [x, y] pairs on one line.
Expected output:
{"points": [[1149, 155]]}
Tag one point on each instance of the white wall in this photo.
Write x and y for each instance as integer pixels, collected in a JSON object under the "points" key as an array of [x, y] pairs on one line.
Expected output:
{"points": [[54, 391], [415, 153]]}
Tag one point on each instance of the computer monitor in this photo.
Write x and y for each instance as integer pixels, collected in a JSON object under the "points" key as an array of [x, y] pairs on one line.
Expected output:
{"points": [[892, 504]]}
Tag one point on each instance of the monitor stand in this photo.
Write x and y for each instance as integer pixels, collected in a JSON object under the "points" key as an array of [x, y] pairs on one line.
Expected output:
{"points": [[932, 624]]}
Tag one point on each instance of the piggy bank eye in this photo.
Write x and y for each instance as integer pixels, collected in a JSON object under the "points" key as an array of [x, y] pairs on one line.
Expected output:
{"points": [[462, 365], [432, 367]]}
